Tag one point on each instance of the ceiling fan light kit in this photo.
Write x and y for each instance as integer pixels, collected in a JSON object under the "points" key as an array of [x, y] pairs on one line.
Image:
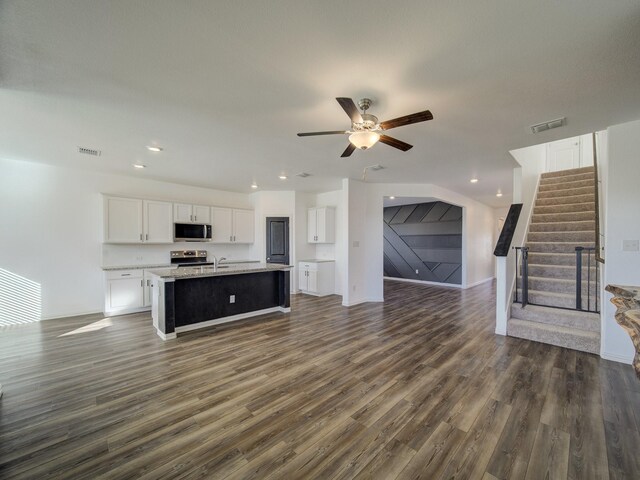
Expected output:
{"points": [[365, 129]]}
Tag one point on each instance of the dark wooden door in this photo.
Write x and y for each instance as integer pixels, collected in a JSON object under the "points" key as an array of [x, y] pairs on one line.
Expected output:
{"points": [[278, 240]]}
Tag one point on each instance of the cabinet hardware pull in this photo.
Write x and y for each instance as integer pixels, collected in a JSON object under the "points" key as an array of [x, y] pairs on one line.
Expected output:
{"points": [[140, 237], [142, 283], [147, 236], [125, 274]]}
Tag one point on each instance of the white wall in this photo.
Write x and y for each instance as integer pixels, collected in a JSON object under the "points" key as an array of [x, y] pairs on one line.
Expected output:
{"points": [[620, 175], [51, 231]]}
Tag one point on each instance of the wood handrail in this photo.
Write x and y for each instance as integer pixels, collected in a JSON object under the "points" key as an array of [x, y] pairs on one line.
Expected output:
{"points": [[597, 199]]}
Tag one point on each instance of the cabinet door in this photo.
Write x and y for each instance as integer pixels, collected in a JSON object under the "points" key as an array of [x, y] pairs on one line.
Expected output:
{"points": [[147, 290], [158, 222], [122, 220], [302, 280], [201, 214], [182, 213], [312, 225], [221, 225], [321, 225], [243, 226], [124, 293], [312, 281]]}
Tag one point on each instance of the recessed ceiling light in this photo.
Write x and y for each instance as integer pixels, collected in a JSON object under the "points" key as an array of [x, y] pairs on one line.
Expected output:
{"points": [[139, 165], [499, 194], [254, 185], [391, 197], [282, 177], [474, 180], [153, 148]]}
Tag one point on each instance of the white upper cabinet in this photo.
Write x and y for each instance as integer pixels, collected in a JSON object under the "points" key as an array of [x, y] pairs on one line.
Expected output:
{"points": [[187, 213], [158, 222], [243, 226], [321, 225], [221, 225], [122, 220], [201, 214], [231, 225]]}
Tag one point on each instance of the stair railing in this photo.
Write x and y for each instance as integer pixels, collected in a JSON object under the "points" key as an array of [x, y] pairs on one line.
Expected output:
{"points": [[598, 251], [523, 253], [591, 252]]}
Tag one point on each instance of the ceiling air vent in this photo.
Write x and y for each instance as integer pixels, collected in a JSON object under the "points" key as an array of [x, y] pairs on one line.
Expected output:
{"points": [[541, 127], [89, 151], [303, 174]]}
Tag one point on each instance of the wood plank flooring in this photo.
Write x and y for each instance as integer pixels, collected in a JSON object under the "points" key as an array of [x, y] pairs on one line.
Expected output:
{"points": [[417, 387]]}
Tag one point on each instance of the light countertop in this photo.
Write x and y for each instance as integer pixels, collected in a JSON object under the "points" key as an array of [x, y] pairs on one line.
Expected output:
{"points": [[164, 265], [221, 270], [316, 260]]}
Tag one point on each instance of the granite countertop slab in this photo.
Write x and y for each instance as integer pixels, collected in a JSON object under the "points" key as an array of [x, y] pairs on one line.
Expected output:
{"points": [[317, 260], [221, 270], [164, 265]]}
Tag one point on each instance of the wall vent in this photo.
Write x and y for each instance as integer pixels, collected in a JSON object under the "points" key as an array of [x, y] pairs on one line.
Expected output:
{"points": [[541, 127], [303, 174], [89, 151]]}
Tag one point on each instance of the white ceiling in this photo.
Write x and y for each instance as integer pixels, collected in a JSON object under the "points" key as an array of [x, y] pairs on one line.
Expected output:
{"points": [[225, 86]]}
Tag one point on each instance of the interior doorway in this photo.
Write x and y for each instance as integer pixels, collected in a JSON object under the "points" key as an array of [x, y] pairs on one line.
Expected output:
{"points": [[277, 240]]}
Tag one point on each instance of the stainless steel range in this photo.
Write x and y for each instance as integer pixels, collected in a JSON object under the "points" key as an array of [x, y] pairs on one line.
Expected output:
{"points": [[189, 258]]}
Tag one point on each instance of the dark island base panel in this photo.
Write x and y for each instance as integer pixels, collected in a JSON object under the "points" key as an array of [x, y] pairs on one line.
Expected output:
{"points": [[196, 300]]}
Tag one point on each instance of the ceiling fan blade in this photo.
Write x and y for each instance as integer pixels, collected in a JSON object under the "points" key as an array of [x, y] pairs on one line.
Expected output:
{"points": [[332, 132], [349, 150], [407, 120], [395, 143], [351, 109]]}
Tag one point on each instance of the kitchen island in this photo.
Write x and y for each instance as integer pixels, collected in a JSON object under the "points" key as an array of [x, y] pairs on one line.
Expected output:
{"points": [[188, 298]]}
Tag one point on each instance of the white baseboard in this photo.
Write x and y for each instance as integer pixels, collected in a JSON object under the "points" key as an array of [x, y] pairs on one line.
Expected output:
{"points": [[615, 357], [423, 282], [126, 311], [231, 318], [479, 282], [166, 336], [82, 314], [362, 300]]}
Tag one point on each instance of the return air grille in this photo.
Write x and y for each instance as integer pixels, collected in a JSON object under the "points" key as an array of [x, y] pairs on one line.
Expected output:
{"points": [[89, 151], [541, 127]]}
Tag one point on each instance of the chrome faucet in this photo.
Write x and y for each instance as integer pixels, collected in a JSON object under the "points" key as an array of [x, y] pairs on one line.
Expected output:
{"points": [[216, 262]]}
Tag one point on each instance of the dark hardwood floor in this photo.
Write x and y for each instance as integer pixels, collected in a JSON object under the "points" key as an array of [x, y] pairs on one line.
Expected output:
{"points": [[417, 387]]}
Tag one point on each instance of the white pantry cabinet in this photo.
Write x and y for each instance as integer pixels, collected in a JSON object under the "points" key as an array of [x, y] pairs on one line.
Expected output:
{"points": [[186, 213], [232, 225], [316, 277], [321, 225], [132, 220]]}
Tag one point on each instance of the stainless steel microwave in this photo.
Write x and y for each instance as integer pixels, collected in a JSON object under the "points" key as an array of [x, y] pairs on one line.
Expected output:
{"points": [[191, 232]]}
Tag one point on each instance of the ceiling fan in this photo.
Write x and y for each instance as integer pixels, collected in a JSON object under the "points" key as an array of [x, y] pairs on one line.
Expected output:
{"points": [[366, 131]]}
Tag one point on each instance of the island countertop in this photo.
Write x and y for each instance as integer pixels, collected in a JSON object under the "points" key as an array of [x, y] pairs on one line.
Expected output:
{"points": [[209, 271]]}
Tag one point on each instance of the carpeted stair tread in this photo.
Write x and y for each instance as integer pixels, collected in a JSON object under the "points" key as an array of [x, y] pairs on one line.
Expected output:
{"points": [[563, 217], [566, 192], [567, 179], [557, 316], [567, 173], [552, 259], [556, 247], [576, 339], [559, 285], [575, 226], [588, 197], [567, 272], [569, 208], [550, 187], [577, 237]]}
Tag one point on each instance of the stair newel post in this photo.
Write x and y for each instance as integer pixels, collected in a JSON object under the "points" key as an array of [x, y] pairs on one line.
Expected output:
{"points": [[525, 276], [579, 278], [516, 249]]}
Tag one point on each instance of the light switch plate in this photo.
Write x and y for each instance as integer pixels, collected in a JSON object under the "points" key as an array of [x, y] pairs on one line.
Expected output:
{"points": [[232, 299], [630, 245]]}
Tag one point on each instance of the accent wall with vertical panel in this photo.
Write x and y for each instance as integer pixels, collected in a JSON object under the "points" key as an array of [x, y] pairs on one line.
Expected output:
{"points": [[425, 238]]}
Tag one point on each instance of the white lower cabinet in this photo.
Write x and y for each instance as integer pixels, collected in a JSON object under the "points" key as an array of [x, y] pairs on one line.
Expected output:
{"points": [[127, 291], [316, 278]]}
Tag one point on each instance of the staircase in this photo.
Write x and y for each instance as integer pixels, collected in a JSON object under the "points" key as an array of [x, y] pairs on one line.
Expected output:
{"points": [[563, 218]]}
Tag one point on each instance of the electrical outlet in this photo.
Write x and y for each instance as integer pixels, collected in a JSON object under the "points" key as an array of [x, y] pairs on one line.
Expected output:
{"points": [[356, 244], [354, 288], [232, 299], [138, 258], [630, 245], [417, 272]]}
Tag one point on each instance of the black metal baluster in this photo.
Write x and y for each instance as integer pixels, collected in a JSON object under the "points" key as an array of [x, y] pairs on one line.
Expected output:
{"points": [[525, 276], [579, 278]]}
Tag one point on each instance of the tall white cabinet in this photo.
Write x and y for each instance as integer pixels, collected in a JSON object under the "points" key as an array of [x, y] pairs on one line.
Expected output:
{"points": [[316, 277], [321, 225]]}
